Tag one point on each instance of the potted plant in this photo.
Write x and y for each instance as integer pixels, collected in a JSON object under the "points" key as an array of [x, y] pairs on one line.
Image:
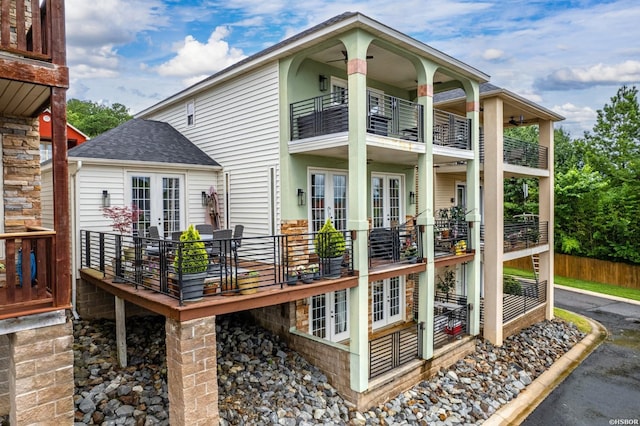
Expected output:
{"points": [[306, 275], [330, 247], [191, 263], [122, 220], [248, 282], [314, 270], [447, 281], [410, 253], [292, 276]]}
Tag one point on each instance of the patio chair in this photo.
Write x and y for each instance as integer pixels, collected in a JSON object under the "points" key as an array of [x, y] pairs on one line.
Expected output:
{"points": [[153, 247], [204, 228], [236, 242], [220, 244]]}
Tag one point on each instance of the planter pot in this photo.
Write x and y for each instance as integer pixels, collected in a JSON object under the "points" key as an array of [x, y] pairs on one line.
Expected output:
{"points": [[333, 267], [307, 278], [129, 253], [211, 286], [292, 280], [193, 286], [248, 285]]}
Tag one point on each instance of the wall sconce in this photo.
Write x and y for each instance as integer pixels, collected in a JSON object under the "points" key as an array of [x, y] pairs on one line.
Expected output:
{"points": [[323, 82], [106, 198], [301, 198], [205, 199], [412, 197]]}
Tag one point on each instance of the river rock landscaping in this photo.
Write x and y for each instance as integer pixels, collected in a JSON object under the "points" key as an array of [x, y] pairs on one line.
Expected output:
{"points": [[262, 382]]}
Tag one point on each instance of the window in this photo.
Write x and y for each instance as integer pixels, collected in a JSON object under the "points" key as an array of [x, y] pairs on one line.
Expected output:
{"points": [[330, 316], [45, 151], [191, 113], [338, 91]]}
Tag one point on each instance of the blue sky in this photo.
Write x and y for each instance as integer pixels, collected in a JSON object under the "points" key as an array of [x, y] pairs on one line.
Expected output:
{"points": [[569, 56]]}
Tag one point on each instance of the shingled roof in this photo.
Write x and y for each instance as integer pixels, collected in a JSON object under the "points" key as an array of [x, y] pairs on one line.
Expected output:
{"points": [[146, 141]]}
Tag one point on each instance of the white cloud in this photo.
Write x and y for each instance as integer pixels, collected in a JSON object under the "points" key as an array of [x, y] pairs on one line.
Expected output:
{"points": [[625, 72], [578, 119], [492, 54], [197, 59]]}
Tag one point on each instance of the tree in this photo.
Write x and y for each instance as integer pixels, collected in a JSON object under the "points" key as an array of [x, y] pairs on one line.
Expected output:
{"points": [[93, 118]]}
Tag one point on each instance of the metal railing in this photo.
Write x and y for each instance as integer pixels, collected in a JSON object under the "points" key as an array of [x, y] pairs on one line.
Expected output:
{"points": [[448, 234], [318, 116], [529, 154], [28, 281], [450, 318], [451, 130], [396, 117], [28, 32], [400, 244], [394, 349], [522, 298], [522, 235], [151, 263]]}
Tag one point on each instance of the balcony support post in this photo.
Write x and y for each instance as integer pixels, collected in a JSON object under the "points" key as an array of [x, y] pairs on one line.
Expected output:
{"points": [[546, 202]]}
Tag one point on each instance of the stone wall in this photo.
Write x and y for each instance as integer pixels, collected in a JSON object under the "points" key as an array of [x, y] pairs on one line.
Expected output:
{"points": [[524, 321], [93, 302], [21, 173], [5, 402], [41, 375]]}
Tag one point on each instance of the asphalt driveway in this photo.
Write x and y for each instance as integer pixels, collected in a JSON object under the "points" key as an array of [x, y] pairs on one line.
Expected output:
{"points": [[605, 388]]}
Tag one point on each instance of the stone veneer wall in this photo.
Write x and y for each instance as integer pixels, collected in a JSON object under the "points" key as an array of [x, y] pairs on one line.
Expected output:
{"points": [[5, 403], [524, 321], [94, 302], [13, 37], [21, 172], [192, 372], [41, 375]]}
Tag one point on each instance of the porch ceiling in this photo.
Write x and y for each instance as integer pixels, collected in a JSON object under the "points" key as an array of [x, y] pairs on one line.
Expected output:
{"points": [[24, 99], [377, 152], [384, 66]]}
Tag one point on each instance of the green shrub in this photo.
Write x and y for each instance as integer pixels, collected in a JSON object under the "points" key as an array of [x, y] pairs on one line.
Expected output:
{"points": [[510, 285], [447, 281], [192, 257], [329, 242]]}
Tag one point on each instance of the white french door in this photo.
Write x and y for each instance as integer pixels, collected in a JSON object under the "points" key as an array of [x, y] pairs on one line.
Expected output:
{"points": [[328, 199], [387, 300], [330, 315], [386, 200], [159, 199]]}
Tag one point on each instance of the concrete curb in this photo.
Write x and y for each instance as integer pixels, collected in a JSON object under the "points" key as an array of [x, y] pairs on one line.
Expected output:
{"points": [[516, 411], [600, 295]]}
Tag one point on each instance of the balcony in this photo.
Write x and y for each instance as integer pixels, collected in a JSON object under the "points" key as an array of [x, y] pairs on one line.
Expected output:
{"points": [[25, 33], [450, 320], [522, 235], [451, 130], [521, 153], [28, 282]]}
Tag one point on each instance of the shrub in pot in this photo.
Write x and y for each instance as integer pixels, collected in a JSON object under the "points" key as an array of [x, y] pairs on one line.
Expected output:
{"points": [[330, 246], [191, 263]]}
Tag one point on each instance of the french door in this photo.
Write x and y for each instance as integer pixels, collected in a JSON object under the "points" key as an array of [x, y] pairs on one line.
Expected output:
{"points": [[387, 299], [330, 315], [386, 200], [159, 199], [328, 196]]}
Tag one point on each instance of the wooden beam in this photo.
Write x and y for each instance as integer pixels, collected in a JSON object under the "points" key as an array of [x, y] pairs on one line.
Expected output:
{"points": [[121, 331], [36, 72]]}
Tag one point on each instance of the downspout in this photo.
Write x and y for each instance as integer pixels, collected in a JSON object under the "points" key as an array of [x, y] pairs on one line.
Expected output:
{"points": [[74, 260]]}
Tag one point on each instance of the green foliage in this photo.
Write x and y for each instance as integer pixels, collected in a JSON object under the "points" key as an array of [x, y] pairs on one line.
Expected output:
{"points": [[510, 285], [447, 281], [192, 257], [93, 118], [329, 242]]}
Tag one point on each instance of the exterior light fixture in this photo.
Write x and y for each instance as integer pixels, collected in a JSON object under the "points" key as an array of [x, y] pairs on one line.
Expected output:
{"points": [[323, 82], [412, 197], [106, 198], [301, 199]]}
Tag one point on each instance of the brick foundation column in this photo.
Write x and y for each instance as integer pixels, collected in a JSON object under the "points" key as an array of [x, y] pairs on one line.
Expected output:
{"points": [[192, 376], [41, 376]]}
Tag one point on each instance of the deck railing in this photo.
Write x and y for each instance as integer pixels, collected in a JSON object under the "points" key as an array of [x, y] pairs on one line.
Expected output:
{"points": [[150, 263], [451, 313], [28, 282], [522, 235], [522, 298], [395, 117], [451, 130], [318, 116], [25, 27], [395, 349], [528, 154], [400, 244], [448, 234]]}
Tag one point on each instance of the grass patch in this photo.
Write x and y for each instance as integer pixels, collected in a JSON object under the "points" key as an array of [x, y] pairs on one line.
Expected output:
{"points": [[567, 316], [609, 289]]}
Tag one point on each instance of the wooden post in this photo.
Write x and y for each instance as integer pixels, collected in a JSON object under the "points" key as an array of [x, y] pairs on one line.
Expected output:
{"points": [[121, 332]]}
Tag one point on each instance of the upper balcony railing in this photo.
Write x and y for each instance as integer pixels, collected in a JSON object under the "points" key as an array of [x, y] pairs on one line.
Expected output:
{"points": [[522, 235], [528, 154], [395, 117], [451, 130], [28, 281], [318, 116], [399, 244], [25, 28]]}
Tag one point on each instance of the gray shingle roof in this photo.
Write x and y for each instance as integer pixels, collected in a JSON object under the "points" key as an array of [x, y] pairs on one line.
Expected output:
{"points": [[459, 93], [143, 140]]}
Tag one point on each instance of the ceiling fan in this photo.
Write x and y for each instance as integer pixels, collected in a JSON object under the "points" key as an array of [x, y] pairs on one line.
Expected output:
{"points": [[516, 123], [346, 58]]}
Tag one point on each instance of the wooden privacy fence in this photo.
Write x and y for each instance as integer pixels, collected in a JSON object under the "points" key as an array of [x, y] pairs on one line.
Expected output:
{"points": [[584, 268]]}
